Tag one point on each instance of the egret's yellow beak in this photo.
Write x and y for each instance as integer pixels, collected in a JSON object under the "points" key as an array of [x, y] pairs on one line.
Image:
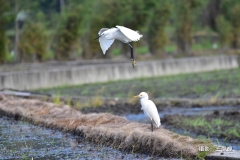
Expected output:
{"points": [[135, 96]]}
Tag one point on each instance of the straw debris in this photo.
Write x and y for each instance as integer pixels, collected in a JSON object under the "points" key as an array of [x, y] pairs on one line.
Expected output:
{"points": [[103, 128]]}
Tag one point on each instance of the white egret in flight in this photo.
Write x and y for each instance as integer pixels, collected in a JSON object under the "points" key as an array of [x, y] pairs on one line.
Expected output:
{"points": [[107, 36], [149, 109]]}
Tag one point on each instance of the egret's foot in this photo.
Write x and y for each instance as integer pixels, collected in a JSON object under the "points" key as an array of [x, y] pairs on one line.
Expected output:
{"points": [[133, 63]]}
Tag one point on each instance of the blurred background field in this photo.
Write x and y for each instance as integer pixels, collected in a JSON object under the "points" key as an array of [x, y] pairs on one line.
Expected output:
{"points": [[49, 30]]}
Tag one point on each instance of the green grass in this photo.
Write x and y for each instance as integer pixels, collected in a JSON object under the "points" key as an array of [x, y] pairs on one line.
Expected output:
{"points": [[57, 99], [218, 126], [215, 84], [116, 51], [204, 45], [142, 50], [170, 48]]}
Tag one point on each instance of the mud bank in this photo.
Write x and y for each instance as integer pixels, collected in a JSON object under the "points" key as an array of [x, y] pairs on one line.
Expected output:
{"points": [[22, 140], [104, 128]]}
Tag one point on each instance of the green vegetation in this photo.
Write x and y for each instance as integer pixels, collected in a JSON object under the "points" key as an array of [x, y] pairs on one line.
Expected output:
{"points": [[142, 50], [185, 13], [224, 29], [116, 51], [4, 7], [215, 84], [156, 30], [57, 99], [64, 30], [170, 48], [230, 19], [33, 42], [220, 126], [95, 101], [204, 45], [68, 36]]}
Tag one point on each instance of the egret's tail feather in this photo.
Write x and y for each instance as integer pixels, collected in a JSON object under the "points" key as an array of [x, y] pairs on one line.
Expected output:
{"points": [[139, 34]]}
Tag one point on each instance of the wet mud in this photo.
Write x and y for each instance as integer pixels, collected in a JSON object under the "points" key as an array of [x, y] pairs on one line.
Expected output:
{"points": [[22, 140]]}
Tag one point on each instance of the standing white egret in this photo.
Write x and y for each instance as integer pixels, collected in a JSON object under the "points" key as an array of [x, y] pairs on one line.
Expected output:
{"points": [[107, 36], [149, 109]]}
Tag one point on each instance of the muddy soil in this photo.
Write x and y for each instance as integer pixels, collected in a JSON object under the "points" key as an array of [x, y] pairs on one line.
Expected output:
{"points": [[21, 140]]}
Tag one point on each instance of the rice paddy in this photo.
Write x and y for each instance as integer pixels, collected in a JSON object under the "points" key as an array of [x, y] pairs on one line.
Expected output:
{"points": [[218, 84]]}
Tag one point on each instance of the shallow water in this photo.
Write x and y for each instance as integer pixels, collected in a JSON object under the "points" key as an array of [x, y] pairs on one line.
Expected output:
{"points": [[21, 140], [183, 111], [190, 111]]}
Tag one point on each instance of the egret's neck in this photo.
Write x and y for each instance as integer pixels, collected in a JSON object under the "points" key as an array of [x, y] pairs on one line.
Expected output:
{"points": [[143, 102], [144, 99]]}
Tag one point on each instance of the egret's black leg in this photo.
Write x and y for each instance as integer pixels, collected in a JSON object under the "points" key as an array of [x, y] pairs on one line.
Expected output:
{"points": [[132, 56], [152, 126]]}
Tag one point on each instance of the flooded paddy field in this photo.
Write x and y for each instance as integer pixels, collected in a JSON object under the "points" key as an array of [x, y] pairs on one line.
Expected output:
{"points": [[103, 129], [180, 117], [219, 123], [222, 130], [22, 140]]}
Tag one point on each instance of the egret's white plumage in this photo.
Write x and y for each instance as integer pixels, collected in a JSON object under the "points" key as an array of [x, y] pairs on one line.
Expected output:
{"points": [[105, 43], [126, 35], [149, 109]]}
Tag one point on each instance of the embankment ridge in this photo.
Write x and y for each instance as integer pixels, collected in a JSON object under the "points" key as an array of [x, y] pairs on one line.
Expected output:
{"points": [[103, 128]]}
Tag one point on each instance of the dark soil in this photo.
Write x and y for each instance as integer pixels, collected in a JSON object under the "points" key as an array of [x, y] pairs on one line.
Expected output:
{"points": [[135, 108], [118, 109]]}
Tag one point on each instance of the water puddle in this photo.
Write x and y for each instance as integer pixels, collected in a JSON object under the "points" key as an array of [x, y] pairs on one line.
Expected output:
{"points": [[183, 111], [21, 140], [198, 111]]}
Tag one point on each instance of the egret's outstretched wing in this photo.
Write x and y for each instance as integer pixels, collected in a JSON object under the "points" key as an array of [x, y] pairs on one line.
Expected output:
{"points": [[132, 35], [105, 43]]}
